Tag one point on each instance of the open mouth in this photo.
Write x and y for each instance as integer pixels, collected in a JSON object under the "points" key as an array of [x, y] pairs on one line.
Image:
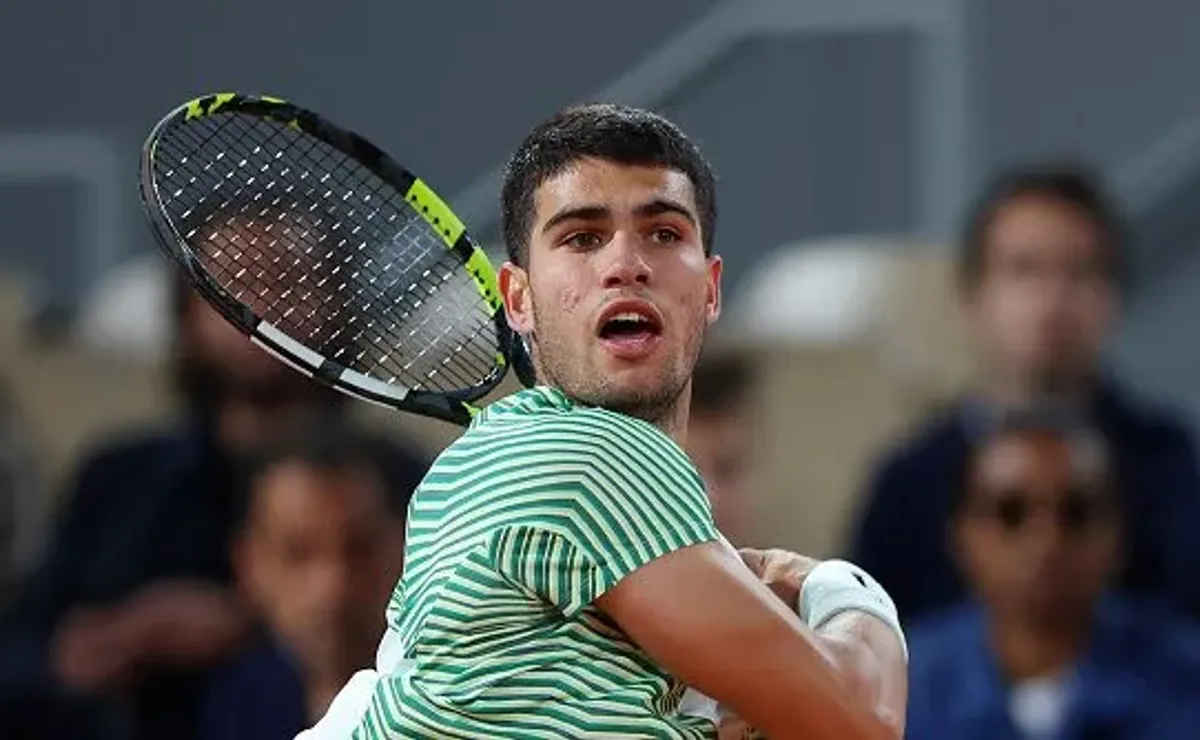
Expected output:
{"points": [[630, 328], [629, 324]]}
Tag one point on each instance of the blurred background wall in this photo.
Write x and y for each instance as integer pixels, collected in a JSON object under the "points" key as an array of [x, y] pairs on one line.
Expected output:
{"points": [[867, 119]]}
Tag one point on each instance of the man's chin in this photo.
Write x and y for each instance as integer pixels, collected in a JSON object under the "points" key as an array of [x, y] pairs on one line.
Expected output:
{"points": [[1059, 378], [648, 400], [633, 380], [325, 652]]}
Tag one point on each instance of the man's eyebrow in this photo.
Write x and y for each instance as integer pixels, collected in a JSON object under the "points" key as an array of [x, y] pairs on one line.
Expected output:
{"points": [[656, 207], [659, 206], [578, 213]]}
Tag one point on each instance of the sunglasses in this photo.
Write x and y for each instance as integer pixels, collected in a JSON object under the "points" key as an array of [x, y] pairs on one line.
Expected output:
{"points": [[1075, 511]]}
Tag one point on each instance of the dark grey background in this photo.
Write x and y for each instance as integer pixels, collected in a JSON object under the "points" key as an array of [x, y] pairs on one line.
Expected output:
{"points": [[811, 134]]}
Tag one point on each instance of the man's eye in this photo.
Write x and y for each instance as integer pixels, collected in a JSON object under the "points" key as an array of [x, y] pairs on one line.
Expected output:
{"points": [[666, 236], [583, 240]]}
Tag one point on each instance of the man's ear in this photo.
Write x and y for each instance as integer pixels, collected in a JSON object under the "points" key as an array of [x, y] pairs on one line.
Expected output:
{"points": [[518, 302], [715, 267]]}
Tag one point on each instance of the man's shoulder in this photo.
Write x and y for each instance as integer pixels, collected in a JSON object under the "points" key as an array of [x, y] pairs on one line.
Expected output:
{"points": [[133, 445], [1179, 653], [929, 441], [539, 443], [940, 644], [257, 693], [131, 460], [1150, 633], [950, 673], [262, 665], [1144, 419]]}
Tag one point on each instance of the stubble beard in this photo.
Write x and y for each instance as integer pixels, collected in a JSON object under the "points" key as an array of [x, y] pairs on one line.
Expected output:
{"points": [[587, 386]]}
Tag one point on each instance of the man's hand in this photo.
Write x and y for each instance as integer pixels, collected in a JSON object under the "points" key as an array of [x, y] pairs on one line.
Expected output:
{"points": [[783, 572], [733, 728], [91, 652], [186, 623], [183, 623]]}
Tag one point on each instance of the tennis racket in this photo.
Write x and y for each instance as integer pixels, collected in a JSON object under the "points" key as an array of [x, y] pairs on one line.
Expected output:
{"points": [[328, 254]]}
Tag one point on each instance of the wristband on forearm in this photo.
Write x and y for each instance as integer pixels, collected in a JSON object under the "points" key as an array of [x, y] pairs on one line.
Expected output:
{"points": [[837, 586]]}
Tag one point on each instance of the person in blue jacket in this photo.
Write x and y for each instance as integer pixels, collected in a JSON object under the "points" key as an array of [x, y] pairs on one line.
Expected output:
{"points": [[1048, 650]]}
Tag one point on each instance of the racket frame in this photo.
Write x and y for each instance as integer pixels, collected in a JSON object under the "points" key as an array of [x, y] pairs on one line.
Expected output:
{"points": [[456, 407]]}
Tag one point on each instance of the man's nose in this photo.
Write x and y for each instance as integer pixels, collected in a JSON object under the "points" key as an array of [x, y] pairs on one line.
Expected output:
{"points": [[626, 263]]}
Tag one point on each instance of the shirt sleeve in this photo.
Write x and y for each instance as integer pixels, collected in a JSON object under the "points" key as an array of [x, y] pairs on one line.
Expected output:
{"points": [[617, 495]]}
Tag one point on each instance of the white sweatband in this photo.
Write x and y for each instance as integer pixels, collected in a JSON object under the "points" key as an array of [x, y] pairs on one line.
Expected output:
{"points": [[836, 586]]}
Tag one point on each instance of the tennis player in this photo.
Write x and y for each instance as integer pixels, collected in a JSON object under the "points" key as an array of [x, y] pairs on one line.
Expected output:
{"points": [[563, 577]]}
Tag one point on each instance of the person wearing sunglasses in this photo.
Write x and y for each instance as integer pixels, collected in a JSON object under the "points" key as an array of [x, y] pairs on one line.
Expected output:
{"points": [[1040, 276], [1047, 650]]}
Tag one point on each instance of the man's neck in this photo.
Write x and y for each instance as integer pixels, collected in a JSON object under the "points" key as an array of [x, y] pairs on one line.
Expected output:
{"points": [[1021, 392], [672, 421], [674, 424], [1025, 650]]}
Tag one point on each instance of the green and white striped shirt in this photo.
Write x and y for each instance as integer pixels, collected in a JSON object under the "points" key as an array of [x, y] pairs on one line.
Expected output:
{"points": [[537, 510]]}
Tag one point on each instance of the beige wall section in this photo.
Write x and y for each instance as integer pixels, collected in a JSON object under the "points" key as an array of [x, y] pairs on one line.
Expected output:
{"points": [[826, 408], [71, 396]]}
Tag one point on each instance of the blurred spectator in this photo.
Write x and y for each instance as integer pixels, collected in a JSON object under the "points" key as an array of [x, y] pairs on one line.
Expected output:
{"points": [[113, 634], [719, 437], [318, 553], [23, 502], [1040, 271], [131, 601], [1047, 653]]}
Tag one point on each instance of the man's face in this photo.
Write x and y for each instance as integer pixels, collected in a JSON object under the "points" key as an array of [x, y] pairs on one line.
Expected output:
{"points": [[1038, 532], [617, 293], [1044, 302], [319, 558], [719, 444], [250, 396]]}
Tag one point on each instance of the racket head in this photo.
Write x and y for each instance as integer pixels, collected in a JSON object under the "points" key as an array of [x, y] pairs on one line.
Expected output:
{"points": [[328, 253]]}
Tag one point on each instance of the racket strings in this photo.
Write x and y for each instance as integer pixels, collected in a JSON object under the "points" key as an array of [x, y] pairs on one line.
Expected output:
{"points": [[409, 260], [422, 239], [337, 260]]}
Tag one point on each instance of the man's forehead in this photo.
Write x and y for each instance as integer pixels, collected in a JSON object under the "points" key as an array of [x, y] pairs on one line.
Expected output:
{"points": [[257, 225], [298, 484], [1011, 455], [1018, 453], [288, 241], [617, 187]]}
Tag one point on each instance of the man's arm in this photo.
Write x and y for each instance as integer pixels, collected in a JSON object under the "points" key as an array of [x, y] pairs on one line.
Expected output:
{"points": [[845, 605], [709, 621], [869, 657]]}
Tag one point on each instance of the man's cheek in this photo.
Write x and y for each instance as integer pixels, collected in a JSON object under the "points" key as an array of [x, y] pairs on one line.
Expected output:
{"points": [[569, 300]]}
